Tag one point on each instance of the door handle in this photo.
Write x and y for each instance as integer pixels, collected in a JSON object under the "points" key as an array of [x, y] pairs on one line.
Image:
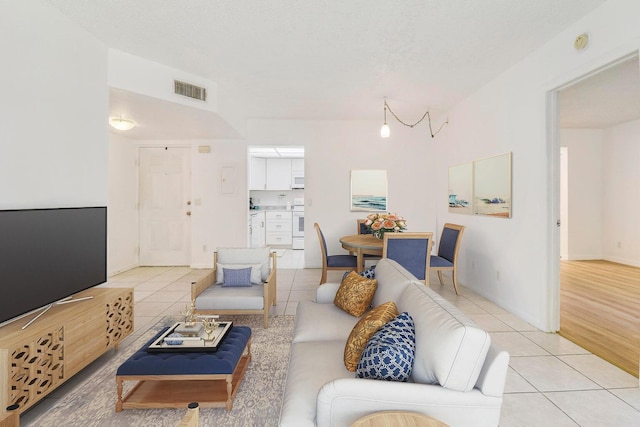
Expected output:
{"points": [[188, 213]]}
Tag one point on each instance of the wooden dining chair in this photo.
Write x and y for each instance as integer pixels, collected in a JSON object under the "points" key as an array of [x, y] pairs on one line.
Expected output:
{"points": [[334, 262], [410, 250], [363, 229], [447, 258]]}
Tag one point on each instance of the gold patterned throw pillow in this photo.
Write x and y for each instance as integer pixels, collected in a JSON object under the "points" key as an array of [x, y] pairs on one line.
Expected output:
{"points": [[355, 294], [364, 330]]}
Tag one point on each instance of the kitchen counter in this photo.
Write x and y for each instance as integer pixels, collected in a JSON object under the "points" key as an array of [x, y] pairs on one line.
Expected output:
{"points": [[271, 208]]}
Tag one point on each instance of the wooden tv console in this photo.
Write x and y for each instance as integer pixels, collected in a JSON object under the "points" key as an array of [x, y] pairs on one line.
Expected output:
{"points": [[38, 359]]}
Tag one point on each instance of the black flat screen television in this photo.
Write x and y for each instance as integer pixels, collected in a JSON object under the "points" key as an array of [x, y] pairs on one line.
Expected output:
{"points": [[49, 254]]}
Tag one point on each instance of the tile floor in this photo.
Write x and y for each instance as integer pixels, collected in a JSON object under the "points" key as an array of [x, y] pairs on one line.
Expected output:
{"points": [[551, 381]]}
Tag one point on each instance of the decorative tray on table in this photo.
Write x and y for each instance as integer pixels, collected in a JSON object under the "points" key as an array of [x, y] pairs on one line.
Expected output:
{"points": [[181, 338]]}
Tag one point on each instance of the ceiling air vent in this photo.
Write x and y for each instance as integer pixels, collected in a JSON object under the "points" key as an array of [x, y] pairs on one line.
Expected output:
{"points": [[189, 90]]}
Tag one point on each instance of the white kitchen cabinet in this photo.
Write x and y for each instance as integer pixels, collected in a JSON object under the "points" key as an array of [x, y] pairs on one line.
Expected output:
{"points": [[278, 174], [257, 229], [297, 173], [297, 166], [279, 228], [258, 174]]}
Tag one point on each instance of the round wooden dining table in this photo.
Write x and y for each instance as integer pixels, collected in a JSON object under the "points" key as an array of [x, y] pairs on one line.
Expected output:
{"points": [[361, 245]]}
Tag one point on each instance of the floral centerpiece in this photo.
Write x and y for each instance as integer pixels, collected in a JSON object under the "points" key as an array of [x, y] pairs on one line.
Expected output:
{"points": [[378, 224]]}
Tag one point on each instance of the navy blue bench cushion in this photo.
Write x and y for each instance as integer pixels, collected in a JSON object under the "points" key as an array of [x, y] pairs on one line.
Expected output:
{"points": [[222, 361]]}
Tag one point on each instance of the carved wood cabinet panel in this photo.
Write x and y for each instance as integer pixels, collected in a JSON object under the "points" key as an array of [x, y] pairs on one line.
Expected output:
{"points": [[34, 361]]}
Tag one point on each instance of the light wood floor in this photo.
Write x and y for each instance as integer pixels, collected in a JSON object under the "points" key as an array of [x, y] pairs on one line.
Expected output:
{"points": [[600, 310]]}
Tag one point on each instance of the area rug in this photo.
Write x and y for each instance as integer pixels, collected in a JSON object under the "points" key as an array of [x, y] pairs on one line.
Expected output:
{"points": [[257, 403]]}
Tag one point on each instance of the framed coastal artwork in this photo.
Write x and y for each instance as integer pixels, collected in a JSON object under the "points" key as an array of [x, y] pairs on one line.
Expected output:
{"points": [[461, 189], [369, 190], [492, 186]]}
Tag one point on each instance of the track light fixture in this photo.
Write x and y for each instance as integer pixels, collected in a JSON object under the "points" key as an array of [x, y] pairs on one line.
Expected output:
{"points": [[385, 131]]}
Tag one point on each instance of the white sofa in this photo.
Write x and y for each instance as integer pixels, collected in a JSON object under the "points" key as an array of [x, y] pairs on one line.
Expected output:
{"points": [[458, 375]]}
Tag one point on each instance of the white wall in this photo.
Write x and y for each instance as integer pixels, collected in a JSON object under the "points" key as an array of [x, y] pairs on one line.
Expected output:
{"points": [[221, 220], [603, 194], [123, 204], [217, 219], [585, 193], [510, 114], [332, 150], [139, 75], [620, 158], [564, 205], [53, 110]]}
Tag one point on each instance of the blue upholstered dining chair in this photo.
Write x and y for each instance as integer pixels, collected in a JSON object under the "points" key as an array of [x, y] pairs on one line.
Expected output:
{"points": [[410, 250], [447, 258], [363, 229], [333, 262]]}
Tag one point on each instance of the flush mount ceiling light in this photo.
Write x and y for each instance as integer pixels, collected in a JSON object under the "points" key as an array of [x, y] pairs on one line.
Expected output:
{"points": [[385, 131], [121, 123]]}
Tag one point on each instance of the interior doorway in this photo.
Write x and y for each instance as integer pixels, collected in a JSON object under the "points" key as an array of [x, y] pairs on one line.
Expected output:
{"points": [[164, 206], [598, 117], [276, 176]]}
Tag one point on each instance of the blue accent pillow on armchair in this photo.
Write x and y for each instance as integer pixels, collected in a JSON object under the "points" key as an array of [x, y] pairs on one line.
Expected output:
{"points": [[390, 352], [234, 278]]}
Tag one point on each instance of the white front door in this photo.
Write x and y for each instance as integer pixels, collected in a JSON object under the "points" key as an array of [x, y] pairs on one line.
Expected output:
{"points": [[165, 205]]}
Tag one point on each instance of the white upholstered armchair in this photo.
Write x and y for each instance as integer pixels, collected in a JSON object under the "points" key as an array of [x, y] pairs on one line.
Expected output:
{"points": [[243, 281]]}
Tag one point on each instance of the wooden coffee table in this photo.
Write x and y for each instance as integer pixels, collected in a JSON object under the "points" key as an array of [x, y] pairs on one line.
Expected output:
{"points": [[173, 380], [398, 418]]}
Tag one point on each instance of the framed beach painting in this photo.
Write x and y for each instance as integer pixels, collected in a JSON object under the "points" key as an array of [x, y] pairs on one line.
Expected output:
{"points": [[369, 190], [461, 189], [492, 186]]}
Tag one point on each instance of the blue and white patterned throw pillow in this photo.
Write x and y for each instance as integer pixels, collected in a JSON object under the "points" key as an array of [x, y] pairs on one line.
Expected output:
{"points": [[390, 352], [234, 278], [369, 273]]}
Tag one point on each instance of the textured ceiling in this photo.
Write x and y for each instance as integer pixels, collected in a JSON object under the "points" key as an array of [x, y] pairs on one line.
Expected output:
{"points": [[608, 98], [330, 59]]}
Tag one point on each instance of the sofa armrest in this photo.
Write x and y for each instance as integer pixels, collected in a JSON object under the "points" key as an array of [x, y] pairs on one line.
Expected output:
{"points": [[494, 372], [345, 400], [198, 287], [326, 293]]}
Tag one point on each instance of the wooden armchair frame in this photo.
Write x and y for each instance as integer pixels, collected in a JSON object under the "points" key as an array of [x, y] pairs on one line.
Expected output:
{"points": [[269, 287]]}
